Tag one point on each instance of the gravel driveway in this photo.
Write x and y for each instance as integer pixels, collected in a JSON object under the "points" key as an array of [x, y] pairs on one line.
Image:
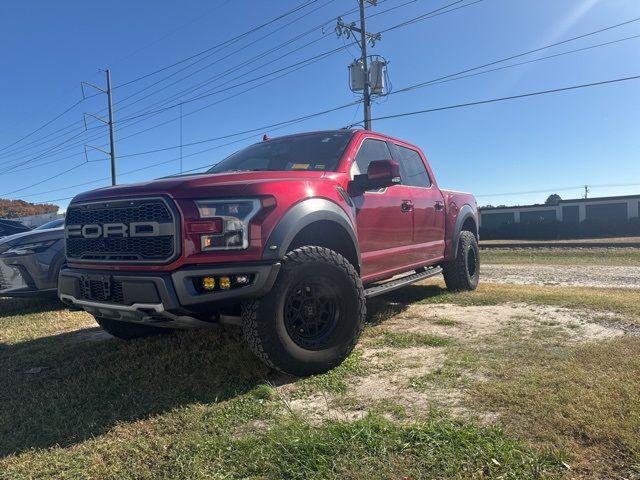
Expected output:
{"points": [[563, 275]]}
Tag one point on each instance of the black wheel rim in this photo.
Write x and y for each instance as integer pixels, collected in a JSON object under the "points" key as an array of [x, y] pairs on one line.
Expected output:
{"points": [[311, 312], [472, 262]]}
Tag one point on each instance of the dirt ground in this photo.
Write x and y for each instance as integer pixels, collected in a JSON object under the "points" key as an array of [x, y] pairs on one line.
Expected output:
{"points": [[563, 275], [395, 373]]}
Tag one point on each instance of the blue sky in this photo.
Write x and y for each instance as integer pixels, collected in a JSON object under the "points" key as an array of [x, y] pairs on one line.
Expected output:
{"points": [[540, 144]]}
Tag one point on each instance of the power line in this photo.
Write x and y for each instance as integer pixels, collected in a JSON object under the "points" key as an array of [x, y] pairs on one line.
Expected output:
{"points": [[430, 14], [259, 39], [559, 189], [309, 60], [555, 55], [200, 152], [219, 46], [291, 68], [522, 54], [233, 68], [43, 181], [56, 147], [416, 86], [44, 125], [237, 37], [512, 97], [426, 15], [219, 91], [305, 117], [272, 126]]}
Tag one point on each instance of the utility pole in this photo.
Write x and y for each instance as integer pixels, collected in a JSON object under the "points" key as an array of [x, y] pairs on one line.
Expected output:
{"points": [[586, 191], [180, 135], [109, 122], [366, 95], [112, 140], [350, 30]]}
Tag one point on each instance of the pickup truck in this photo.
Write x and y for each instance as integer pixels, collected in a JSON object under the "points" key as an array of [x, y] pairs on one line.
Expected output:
{"points": [[286, 238]]}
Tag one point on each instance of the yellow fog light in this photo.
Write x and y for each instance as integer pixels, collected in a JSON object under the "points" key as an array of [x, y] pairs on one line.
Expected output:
{"points": [[225, 283], [208, 283]]}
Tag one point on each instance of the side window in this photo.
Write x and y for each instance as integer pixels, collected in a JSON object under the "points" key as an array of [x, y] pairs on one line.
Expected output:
{"points": [[414, 172], [370, 150]]}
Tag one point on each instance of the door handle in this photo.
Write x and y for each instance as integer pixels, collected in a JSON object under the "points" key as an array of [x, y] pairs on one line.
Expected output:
{"points": [[439, 206], [407, 206]]}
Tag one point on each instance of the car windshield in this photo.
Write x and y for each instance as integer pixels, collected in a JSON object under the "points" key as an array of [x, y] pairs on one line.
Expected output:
{"points": [[310, 152], [52, 224]]}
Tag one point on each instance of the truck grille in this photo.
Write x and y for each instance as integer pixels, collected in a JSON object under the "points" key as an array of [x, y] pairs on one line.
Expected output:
{"points": [[123, 231]]}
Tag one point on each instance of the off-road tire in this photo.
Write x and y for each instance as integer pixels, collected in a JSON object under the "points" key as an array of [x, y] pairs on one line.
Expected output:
{"points": [[463, 273], [266, 323], [130, 331]]}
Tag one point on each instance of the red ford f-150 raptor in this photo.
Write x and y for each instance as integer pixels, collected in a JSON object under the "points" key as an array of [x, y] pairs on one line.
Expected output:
{"points": [[287, 237]]}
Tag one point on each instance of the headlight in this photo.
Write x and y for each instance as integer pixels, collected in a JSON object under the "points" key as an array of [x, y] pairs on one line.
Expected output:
{"points": [[29, 248], [230, 223]]}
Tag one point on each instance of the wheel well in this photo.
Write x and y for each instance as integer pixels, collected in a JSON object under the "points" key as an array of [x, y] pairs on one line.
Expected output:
{"points": [[328, 234], [470, 226]]}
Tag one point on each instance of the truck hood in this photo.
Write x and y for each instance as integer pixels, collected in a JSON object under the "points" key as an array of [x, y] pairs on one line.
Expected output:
{"points": [[33, 236], [190, 186]]}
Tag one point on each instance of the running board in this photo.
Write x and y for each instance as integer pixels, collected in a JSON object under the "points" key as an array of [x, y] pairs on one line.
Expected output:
{"points": [[401, 282]]}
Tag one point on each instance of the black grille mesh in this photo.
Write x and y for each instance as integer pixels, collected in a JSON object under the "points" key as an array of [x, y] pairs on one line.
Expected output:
{"points": [[101, 291], [155, 210], [137, 248], [124, 249]]}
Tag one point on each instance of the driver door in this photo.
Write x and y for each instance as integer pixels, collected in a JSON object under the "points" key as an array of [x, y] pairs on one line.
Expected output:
{"points": [[384, 218]]}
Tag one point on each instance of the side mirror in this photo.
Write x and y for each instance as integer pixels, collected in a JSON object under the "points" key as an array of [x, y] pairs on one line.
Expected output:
{"points": [[380, 174]]}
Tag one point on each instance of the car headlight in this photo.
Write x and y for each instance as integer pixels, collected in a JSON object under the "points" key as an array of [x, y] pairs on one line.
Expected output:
{"points": [[230, 219], [29, 248]]}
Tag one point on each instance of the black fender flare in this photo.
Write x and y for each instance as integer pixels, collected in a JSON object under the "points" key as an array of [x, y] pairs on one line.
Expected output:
{"points": [[465, 212], [301, 215]]}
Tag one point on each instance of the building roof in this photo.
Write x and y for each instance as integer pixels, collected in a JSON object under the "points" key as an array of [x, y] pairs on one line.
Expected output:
{"points": [[572, 200]]}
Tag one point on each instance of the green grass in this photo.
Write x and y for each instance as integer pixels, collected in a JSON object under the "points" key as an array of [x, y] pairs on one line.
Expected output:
{"points": [[444, 322], [441, 377], [580, 399], [563, 256], [371, 448], [199, 405], [78, 404], [84, 388], [410, 339], [26, 319], [334, 381], [584, 400], [617, 300]]}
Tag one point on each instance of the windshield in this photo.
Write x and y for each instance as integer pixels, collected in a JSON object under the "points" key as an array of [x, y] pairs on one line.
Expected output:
{"points": [[310, 152], [52, 224]]}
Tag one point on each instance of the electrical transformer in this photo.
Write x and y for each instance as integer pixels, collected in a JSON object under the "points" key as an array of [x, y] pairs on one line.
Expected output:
{"points": [[377, 77], [357, 75]]}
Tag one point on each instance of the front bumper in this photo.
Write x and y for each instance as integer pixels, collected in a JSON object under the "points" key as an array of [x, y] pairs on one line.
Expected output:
{"points": [[162, 299], [25, 276]]}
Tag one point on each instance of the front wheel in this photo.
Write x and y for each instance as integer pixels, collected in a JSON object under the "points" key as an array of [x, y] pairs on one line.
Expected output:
{"points": [[312, 318], [463, 272]]}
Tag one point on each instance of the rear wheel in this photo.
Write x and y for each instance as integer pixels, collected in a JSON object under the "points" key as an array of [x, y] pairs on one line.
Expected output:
{"points": [[128, 330], [313, 316], [463, 273]]}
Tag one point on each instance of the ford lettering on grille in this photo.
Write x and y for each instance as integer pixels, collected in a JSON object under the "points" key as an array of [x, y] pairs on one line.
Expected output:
{"points": [[134, 230]]}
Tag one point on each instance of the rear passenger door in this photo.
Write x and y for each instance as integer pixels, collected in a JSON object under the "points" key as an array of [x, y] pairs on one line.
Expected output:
{"points": [[384, 217], [428, 205]]}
